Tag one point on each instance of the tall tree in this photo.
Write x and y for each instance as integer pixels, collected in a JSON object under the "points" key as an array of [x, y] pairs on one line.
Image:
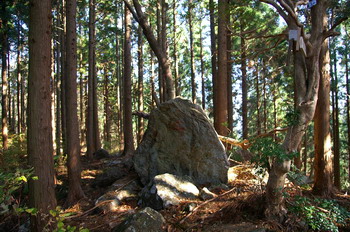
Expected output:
{"points": [[4, 75], [140, 105], [193, 75], [213, 53], [160, 54], [244, 86], [220, 117], [307, 82], [40, 147], [335, 113], [92, 138], [128, 135], [322, 136], [75, 192]]}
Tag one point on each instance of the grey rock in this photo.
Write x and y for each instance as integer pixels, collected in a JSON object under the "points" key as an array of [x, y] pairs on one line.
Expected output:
{"points": [[168, 189], [181, 140], [114, 198], [145, 220], [101, 154], [109, 176]]}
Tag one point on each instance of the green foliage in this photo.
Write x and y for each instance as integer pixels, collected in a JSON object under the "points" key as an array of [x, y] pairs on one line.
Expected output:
{"points": [[266, 149], [292, 117], [13, 181], [61, 227], [320, 214]]}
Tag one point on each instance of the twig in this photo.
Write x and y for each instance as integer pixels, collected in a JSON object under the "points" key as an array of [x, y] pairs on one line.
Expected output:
{"points": [[204, 203]]}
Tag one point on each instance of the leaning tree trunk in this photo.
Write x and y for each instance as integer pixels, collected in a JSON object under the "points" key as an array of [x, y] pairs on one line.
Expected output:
{"points": [[161, 55]]}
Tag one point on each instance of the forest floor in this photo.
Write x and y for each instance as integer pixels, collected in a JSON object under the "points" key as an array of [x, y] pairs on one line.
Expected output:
{"points": [[240, 207], [243, 203]]}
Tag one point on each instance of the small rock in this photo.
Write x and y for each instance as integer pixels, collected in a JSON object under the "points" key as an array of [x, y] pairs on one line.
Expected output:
{"points": [[168, 189], [111, 202], [205, 194], [145, 220], [101, 154]]}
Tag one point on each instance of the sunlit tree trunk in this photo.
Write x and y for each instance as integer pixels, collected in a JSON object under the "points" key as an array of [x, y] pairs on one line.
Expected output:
{"points": [[4, 80], [322, 134], [40, 147]]}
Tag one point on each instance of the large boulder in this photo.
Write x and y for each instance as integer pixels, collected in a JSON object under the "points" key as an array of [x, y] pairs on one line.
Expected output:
{"points": [[167, 189], [181, 140]]}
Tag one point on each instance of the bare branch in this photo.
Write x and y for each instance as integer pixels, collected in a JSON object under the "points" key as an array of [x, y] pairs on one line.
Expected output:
{"points": [[290, 12]]}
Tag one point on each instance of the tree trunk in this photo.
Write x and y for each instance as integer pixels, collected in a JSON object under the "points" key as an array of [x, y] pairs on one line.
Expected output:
{"points": [[307, 86], [19, 77], [140, 85], [257, 87], [40, 148], [202, 66], [213, 54], [161, 55], [128, 134], [90, 137], [63, 80], [336, 139], [193, 76], [175, 59], [75, 192], [160, 44], [347, 102], [4, 81], [107, 111], [322, 135], [244, 87], [229, 78], [221, 94]]}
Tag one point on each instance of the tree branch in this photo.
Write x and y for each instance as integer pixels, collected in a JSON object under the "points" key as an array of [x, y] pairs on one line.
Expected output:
{"points": [[278, 8]]}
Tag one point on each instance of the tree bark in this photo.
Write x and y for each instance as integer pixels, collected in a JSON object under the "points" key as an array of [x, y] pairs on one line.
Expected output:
{"points": [[307, 85], [4, 80], [75, 192], [213, 54], [193, 75], [229, 78], [128, 133], [336, 139], [322, 135], [175, 58], [244, 87], [202, 66], [140, 85], [40, 147], [347, 103], [221, 90]]}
